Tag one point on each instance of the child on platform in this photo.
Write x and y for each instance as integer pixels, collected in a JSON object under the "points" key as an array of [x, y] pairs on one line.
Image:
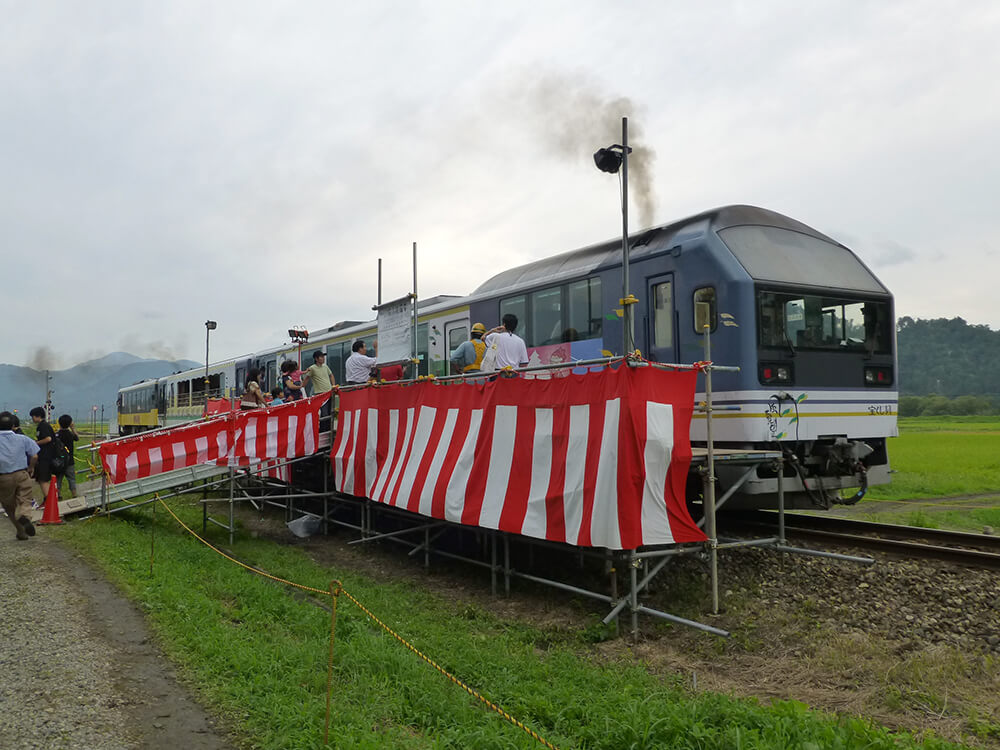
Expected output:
{"points": [[291, 381]]}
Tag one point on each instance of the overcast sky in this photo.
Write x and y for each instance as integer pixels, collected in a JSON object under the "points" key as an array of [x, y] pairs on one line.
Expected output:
{"points": [[249, 162]]}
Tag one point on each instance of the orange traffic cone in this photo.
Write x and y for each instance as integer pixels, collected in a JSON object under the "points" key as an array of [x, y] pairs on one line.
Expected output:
{"points": [[51, 514]]}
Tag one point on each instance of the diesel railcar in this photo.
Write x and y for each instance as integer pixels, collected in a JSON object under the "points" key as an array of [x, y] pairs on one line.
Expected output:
{"points": [[809, 325]]}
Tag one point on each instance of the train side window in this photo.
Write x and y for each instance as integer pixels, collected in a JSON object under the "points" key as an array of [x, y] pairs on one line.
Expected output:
{"points": [[584, 320], [546, 317], [517, 306], [706, 294], [456, 337], [663, 315]]}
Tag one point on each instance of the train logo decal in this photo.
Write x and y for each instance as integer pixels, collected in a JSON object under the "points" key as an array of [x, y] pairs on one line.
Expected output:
{"points": [[728, 319], [776, 414]]}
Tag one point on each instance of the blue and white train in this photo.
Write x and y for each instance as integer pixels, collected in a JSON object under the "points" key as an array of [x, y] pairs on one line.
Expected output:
{"points": [[809, 325]]}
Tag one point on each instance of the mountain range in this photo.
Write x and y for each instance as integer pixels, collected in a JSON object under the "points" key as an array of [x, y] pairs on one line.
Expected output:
{"points": [[77, 390]]}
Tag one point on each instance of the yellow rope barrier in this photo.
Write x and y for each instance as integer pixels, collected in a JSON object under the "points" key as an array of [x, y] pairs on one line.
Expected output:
{"points": [[333, 594], [451, 677]]}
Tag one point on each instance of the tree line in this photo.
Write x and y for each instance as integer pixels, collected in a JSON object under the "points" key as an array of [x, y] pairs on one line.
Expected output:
{"points": [[947, 367]]}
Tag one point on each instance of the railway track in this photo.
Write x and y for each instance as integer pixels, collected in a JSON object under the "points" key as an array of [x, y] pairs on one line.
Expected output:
{"points": [[956, 547]]}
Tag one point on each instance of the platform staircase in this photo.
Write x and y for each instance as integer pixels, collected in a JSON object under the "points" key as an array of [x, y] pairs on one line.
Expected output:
{"points": [[94, 497]]}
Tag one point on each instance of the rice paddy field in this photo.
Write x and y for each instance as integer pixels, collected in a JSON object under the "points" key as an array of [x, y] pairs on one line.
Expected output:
{"points": [[946, 475]]}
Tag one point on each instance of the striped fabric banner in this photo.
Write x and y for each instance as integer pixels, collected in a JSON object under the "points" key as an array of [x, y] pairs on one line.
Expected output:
{"points": [[240, 438], [597, 459]]}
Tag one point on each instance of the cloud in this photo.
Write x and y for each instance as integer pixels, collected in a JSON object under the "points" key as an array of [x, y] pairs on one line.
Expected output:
{"points": [[248, 163], [891, 253], [151, 348]]}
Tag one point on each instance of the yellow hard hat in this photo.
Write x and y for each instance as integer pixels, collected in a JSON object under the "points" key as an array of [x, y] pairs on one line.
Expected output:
{"points": [[478, 328]]}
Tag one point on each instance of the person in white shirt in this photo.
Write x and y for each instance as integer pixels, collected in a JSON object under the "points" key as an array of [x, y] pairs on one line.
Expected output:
{"points": [[511, 351], [359, 366]]}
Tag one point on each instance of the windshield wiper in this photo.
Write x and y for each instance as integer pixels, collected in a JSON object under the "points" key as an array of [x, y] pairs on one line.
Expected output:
{"points": [[788, 341]]}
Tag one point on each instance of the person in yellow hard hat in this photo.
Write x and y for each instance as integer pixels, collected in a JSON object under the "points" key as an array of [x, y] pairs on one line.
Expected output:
{"points": [[469, 355]]}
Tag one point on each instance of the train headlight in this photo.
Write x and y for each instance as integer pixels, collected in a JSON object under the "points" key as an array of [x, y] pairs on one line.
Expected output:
{"points": [[775, 372], [878, 376]]}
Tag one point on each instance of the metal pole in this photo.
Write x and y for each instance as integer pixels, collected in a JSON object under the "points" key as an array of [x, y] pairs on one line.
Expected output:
{"points": [[232, 520], [781, 501], [207, 330], [634, 593], [713, 539], [379, 282], [506, 565], [493, 563], [326, 495], [413, 333], [629, 333]]}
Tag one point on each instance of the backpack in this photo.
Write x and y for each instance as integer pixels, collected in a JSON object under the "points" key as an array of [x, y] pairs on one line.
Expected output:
{"points": [[60, 455]]}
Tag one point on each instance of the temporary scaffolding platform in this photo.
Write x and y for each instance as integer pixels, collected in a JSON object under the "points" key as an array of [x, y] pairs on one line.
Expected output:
{"points": [[423, 531]]}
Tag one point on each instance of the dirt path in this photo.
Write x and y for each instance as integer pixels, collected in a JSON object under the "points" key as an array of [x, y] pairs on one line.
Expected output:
{"points": [[78, 666]]}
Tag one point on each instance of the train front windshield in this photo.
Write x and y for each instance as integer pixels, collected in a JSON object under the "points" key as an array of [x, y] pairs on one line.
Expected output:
{"points": [[807, 321]]}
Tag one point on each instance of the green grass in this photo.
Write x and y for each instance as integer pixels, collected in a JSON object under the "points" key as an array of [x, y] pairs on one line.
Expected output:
{"points": [[936, 458], [944, 424], [259, 656]]}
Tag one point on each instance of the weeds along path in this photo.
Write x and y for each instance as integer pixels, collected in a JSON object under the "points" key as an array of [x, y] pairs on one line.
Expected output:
{"points": [[78, 668]]}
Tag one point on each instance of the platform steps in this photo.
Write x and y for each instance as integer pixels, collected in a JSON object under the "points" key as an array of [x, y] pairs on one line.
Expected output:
{"points": [[170, 480]]}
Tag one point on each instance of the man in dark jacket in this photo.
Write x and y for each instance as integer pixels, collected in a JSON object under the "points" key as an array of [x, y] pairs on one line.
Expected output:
{"points": [[45, 437]]}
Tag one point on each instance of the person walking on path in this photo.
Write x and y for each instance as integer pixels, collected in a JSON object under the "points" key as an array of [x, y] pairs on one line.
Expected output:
{"points": [[511, 351], [18, 459]]}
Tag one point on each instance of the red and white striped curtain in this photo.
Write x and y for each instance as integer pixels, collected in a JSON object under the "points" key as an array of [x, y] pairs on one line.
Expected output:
{"points": [[598, 459], [240, 438]]}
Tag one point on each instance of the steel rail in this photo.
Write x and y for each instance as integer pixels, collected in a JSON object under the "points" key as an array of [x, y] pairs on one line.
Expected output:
{"points": [[870, 535], [985, 542]]}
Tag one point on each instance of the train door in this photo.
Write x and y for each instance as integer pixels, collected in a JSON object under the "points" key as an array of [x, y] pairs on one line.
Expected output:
{"points": [[455, 334], [271, 376], [660, 319], [241, 377], [335, 360]]}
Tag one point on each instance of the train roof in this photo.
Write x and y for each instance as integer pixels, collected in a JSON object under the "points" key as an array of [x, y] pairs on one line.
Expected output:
{"points": [[649, 241], [422, 305]]}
